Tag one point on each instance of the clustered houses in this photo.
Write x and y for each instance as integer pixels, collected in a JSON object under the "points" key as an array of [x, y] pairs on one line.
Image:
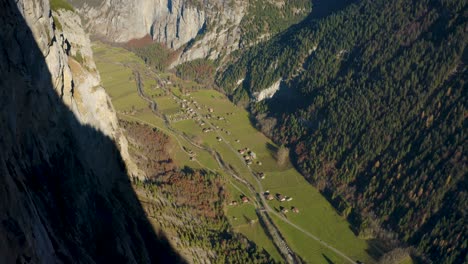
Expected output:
{"points": [[188, 110], [248, 155], [283, 198], [285, 210]]}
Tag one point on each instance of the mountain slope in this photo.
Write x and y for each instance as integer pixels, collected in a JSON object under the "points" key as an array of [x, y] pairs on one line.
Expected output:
{"points": [[196, 29], [65, 195], [372, 101]]}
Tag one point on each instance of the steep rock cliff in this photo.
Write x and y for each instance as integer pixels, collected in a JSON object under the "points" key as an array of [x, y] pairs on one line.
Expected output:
{"points": [[65, 195], [171, 22]]}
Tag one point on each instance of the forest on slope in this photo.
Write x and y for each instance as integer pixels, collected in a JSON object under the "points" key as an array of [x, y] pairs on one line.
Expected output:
{"points": [[373, 106]]}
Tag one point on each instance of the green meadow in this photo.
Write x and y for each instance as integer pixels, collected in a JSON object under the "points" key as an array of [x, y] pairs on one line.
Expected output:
{"points": [[316, 215]]}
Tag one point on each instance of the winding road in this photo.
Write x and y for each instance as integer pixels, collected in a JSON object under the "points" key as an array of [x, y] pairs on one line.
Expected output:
{"points": [[263, 208]]}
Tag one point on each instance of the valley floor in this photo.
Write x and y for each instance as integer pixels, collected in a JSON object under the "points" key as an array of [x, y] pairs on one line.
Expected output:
{"points": [[211, 133]]}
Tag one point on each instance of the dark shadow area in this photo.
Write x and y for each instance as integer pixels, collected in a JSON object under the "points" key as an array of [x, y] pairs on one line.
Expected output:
{"points": [[323, 8], [65, 196], [328, 260], [376, 248], [272, 149]]}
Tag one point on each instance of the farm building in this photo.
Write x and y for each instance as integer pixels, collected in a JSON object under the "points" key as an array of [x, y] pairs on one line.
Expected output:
{"points": [[280, 197], [261, 175]]}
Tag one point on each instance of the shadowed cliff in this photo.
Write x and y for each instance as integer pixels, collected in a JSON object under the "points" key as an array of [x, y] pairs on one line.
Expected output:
{"points": [[64, 193]]}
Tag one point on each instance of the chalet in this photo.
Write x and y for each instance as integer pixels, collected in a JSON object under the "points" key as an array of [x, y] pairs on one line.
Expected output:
{"points": [[259, 163], [295, 210], [219, 139], [237, 140], [252, 154], [249, 162], [289, 199], [246, 157], [269, 197], [233, 203], [245, 199], [210, 110], [280, 197], [284, 210], [241, 151], [261, 175]]}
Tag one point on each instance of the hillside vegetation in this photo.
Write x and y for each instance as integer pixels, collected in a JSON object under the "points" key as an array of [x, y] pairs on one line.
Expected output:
{"points": [[373, 106]]}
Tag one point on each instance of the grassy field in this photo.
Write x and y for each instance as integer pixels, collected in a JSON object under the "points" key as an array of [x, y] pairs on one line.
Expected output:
{"points": [[316, 215]]}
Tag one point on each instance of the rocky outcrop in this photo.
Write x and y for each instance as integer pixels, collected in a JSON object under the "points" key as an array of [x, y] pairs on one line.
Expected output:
{"points": [[71, 64], [268, 92], [65, 196]]}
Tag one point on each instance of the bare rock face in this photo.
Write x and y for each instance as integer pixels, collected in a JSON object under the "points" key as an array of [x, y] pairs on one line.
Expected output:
{"points": [[173, 22], [65, 195], [215, 23], [73, 68]]}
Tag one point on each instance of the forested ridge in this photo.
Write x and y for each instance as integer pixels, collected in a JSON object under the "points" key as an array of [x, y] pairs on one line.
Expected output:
{"points": [[373, 106]]}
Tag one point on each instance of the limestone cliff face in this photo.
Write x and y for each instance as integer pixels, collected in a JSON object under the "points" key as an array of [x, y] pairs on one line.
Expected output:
{"points": [[71, 64], [172, 22], [65, 196]]}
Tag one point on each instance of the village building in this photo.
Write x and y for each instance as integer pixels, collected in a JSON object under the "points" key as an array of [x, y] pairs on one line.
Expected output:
{"points": [[295, 210], [233, 203], [245, 199], [280, 197], [289, 199], [210, 110], [269, 197], [261, 175], [252, 154], [284, 210]]}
